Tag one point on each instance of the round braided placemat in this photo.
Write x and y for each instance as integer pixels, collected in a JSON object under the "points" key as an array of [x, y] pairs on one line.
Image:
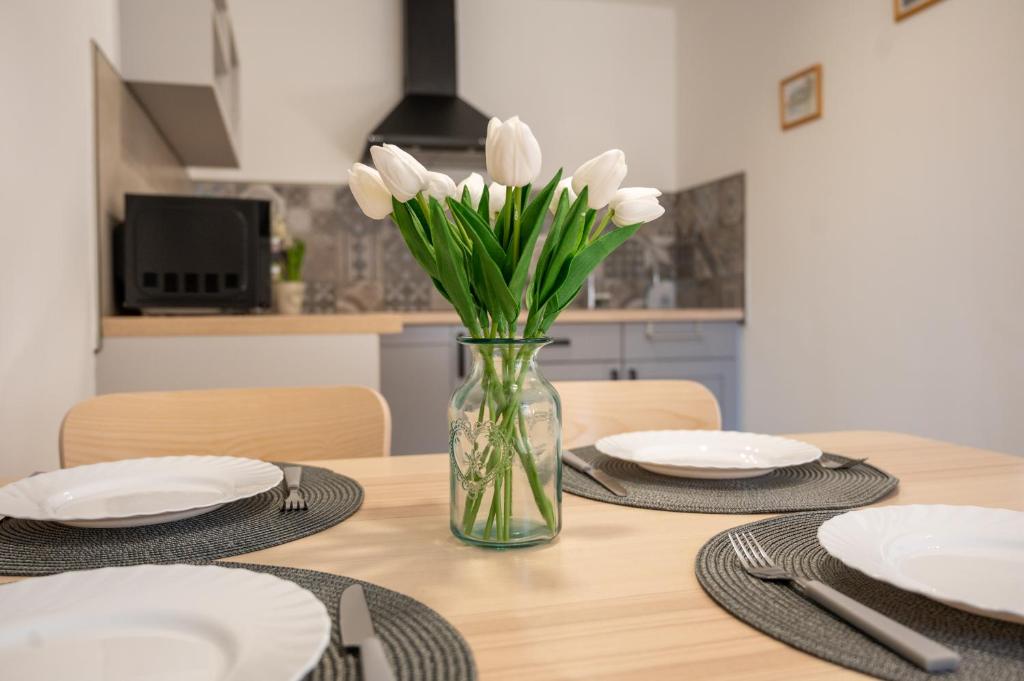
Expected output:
{"points": [[796, 488], [31, 547], [420, 644], [992, 650]]}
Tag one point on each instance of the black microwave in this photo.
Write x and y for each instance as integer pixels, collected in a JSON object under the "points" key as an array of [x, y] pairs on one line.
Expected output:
{"points": [[192, 254]]}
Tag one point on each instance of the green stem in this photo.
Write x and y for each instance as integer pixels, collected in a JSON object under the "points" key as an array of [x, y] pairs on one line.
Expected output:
{"points": [[600, 227]]}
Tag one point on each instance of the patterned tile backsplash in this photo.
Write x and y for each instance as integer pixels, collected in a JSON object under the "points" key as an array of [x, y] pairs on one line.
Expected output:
{"points": [[355, 264]]}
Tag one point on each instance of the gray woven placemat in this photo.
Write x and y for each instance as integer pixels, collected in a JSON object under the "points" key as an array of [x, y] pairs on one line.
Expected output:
{"points": [[798, 488], [992, 650], [420, 644], [32, 548]]}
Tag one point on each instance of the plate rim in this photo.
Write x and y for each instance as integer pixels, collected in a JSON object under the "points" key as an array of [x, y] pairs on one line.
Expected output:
{"points": [[273, 584], [274, 477], [637, 460], [899, 581]]}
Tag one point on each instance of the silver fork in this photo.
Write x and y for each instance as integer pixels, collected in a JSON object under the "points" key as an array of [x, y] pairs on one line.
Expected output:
{"points": [[930, 655], [295, 501], [838, 462]]}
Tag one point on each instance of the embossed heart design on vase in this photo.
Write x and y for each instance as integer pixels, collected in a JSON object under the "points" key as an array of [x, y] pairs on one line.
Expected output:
{"points": [[479, 451]]}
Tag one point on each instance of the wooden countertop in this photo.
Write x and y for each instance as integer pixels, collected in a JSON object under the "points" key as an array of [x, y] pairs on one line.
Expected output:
{"points": [[615, 596], [369, 323]]}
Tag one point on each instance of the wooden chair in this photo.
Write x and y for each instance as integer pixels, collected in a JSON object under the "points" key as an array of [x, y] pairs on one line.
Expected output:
{"points": [[594, 409], [275, 424]]}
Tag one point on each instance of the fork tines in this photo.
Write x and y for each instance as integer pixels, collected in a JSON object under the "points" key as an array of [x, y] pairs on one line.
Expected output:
{"points": [[749, 550], [294, 501]]}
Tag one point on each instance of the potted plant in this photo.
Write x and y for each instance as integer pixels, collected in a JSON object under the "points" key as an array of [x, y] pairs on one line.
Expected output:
{"points": [[477, 243], [290, 291]]}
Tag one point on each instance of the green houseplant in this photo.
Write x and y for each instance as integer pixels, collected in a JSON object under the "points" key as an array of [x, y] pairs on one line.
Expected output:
{"points": [[478, 244]]}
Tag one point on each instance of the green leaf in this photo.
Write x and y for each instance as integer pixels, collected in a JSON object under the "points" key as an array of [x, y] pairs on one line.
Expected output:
{"points": [[530, 227], [550, 263], [416, 209], [412, 233], [488, 278], [586, 260], [451, 268], [484, 209], [479, 230], [570, 239]]}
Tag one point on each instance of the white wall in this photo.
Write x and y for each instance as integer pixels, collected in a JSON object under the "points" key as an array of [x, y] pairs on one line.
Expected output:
{"points": [[884, 240], [318, 75], [48, 278]]}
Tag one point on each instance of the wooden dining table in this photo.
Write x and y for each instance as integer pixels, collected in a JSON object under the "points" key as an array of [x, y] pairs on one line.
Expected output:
{"points": [[615, 596]]}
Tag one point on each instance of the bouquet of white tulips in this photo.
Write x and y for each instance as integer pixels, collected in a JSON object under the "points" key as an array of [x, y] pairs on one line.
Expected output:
{"points": [[477, 242]]}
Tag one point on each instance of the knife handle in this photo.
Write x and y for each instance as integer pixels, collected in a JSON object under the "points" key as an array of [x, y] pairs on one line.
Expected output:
{"points": [[373, 662], [576, 461], [293, 476], [926, 653]]}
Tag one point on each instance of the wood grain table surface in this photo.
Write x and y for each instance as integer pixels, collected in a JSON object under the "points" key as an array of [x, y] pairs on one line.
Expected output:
{"points": [[615, 596]]}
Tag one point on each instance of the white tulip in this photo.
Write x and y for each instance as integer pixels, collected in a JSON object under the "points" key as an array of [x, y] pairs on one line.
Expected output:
{"points": [[631, 205], [496, 200], [513, 154], [439, 186], [475, 183], [602, 176], [373, 197], [564, 186], [403, 175]]}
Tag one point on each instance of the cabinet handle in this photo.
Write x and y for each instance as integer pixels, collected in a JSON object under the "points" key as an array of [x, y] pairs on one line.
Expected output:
{"points": [[460, 359], [615, 374], [670, 336], [632, 374], [560, 341]]}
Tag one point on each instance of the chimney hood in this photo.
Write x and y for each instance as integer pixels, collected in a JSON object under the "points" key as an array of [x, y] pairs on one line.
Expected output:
{"points": [[431, 116]]}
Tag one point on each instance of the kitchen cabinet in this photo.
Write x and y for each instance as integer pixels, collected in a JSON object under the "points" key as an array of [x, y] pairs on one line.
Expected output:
{"points": [[423, 365], [179, 59]]}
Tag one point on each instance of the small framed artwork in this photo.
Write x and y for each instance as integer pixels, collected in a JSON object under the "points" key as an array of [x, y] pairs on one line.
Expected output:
{"points": [[901, 9], [800, 97]]}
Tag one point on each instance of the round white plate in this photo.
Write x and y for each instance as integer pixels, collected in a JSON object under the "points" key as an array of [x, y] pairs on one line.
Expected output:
{"points": [[160, 622], [137, 492], [715, 454], [969, 557]]}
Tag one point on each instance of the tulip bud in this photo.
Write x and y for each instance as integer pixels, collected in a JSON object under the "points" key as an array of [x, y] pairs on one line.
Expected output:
{"points": [[631, 205], [403, 175], [475, 183], [602, 175], [439, 186], [496, 201], [564, 186], [373, 197], [513, 154]]}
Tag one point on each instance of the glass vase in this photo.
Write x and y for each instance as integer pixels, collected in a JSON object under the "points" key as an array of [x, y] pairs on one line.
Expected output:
{"points": [[504, 425]]}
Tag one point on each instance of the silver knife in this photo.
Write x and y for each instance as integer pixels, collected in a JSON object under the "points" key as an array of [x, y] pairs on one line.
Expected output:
{"points": [[357, 632], [605, 480]]}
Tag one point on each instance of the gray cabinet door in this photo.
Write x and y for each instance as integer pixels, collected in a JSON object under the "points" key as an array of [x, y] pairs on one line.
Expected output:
{"points": [[417, 371], [717, 374]]}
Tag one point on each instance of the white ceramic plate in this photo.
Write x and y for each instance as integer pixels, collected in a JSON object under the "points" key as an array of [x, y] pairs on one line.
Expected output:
{"points": [[160, 622], [968, 557], [137, 491], [714, 454]]}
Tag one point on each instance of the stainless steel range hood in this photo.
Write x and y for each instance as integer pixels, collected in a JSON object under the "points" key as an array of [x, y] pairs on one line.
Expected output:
{"points": [[431, 117]]}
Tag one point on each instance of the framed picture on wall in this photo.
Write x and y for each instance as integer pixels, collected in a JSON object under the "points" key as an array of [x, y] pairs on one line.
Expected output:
{"points": [[901, 9], [800, 97]]}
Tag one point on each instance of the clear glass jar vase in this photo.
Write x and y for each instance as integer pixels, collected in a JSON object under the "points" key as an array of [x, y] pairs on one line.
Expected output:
{"points": [[504, 425]]}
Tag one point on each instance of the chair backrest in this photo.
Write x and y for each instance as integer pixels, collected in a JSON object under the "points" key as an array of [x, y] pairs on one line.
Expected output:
{"points": [[594, 409], [274, 424]]}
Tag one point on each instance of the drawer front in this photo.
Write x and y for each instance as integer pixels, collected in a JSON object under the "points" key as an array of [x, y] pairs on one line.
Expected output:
{"points": [[582, 371], [679, 340], [422, 335], [583, 343]]}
